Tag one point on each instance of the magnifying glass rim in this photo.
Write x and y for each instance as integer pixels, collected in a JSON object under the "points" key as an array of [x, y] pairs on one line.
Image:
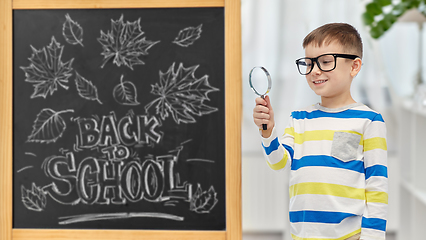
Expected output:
{"points": [[269, 81]]}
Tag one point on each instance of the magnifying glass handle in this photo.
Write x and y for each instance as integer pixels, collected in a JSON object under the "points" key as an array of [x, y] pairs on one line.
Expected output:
{"points": [[264, 126]]}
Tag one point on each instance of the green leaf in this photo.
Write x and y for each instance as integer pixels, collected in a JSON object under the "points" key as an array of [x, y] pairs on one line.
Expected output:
{"points": [[373, 9], [383, 2], [376, 31], [399, 9], [384, 24], [391, 18], [411, 3], [367, 18], [414, 3]]}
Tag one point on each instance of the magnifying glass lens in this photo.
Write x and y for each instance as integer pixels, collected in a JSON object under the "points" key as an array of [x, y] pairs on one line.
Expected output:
{"points": [[259, 81]]}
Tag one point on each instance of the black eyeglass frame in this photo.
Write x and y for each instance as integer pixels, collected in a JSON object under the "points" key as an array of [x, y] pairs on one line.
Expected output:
{"points": [[335, 55]]}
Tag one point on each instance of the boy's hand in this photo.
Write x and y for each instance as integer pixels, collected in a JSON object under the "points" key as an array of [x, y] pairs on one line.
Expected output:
{"points": [[263, 114]]}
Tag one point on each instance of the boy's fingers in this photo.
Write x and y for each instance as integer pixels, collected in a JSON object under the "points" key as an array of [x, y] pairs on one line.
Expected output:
{"points": [[260, 101], [262, 112], [261, 109], [261, 115], [268, 101]]}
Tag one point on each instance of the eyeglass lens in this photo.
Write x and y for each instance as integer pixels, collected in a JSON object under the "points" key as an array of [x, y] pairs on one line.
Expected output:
{"points": [[325, 63]]}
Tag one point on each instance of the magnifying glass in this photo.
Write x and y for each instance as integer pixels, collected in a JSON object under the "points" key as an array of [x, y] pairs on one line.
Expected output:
{"points": [[261, 83]]}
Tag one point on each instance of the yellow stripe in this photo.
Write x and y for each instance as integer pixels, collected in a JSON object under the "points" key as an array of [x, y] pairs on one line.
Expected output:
{"points": [[375, 143], [340, 238], [318, 135], [289, 131], [327, 189], [376, 196], [279, 165]]}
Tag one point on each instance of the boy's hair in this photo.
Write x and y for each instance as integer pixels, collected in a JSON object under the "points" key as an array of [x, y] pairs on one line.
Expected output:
{"points": [[344, 34]]}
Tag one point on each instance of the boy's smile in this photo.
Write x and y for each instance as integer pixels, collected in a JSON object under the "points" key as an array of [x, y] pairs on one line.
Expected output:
{"points": [[317, 82], [333, 86]]}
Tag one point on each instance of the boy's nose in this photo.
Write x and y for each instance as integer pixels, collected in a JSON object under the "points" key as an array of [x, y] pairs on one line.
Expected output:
{"points": [[316, 69]]}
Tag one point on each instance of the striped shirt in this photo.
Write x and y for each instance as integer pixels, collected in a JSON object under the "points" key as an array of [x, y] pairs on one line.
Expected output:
{"points": [[338, 171]]}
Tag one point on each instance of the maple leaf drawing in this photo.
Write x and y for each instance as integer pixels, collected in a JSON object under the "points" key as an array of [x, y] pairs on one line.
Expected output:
{"points": [[203, 201], [47, 70], [33, 199], [125, 43], [181, 94], [48, 126]]}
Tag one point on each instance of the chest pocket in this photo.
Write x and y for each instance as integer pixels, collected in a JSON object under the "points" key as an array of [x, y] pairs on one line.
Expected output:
{"points": [[345, 146]]}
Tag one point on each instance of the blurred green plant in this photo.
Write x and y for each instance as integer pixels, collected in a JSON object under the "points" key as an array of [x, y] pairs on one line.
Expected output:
{"points": [[380, 15]]}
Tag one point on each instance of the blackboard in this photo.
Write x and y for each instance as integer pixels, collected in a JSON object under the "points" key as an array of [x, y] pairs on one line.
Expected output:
{"points": [[119, 119]]}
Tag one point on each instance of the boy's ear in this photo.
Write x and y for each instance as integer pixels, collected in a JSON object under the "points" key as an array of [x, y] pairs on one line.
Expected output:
{"points": [[356, 66]]}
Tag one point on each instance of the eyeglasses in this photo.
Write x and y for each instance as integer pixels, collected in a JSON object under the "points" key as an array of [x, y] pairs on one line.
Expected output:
{"points": [[325, 62]]}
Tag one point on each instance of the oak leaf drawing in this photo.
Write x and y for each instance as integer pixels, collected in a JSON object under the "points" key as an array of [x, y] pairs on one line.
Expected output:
{"points": [[72, 31], [124, 43], [33, 199], [203, 201], [86, 89], [188, 36], [181, 94], [46, 70], [48, 126]]}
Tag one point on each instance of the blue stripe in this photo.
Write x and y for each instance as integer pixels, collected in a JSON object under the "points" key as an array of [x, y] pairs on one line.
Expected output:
{"points": [[318, 216], [376, 170], [374, 223], [344, 114], [272, 147], [290, 150], [327, 161]]}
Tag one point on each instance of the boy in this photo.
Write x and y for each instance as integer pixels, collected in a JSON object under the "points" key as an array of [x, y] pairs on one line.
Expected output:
{"points": [[336, 149]]}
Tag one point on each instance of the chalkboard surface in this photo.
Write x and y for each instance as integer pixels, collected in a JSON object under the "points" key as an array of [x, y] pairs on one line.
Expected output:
{"points": [[118, 119]]}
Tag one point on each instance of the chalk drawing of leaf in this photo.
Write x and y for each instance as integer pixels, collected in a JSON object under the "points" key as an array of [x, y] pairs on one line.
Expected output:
{"points": [[86, 89], [46, 70], [188, 36], [125, 43], [203, 202], [125, 93], [33, 199], [181, 94], [48, 126], [72, 31]]}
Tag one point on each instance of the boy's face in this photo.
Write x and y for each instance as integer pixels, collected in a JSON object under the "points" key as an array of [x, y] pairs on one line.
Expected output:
{"points": [[334, 85]]}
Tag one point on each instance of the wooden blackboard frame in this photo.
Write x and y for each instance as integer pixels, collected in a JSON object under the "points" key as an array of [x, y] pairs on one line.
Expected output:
{"points": [[233, 109]]}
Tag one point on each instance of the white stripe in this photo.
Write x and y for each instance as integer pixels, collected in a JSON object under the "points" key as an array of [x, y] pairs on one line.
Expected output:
{"points": [[364, 108], [323, 230], [287, 140], [312, 148], [328, 175], [277, 155], [276, 161], [377, 183], [375, 129], [372, 234], [267, 141], [376, 210], [327, 203], [376, 156], [328, 123]]}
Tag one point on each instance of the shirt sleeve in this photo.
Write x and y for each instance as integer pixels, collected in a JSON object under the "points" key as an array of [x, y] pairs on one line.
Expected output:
{"points": [[376, 181], [278, 151]]}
